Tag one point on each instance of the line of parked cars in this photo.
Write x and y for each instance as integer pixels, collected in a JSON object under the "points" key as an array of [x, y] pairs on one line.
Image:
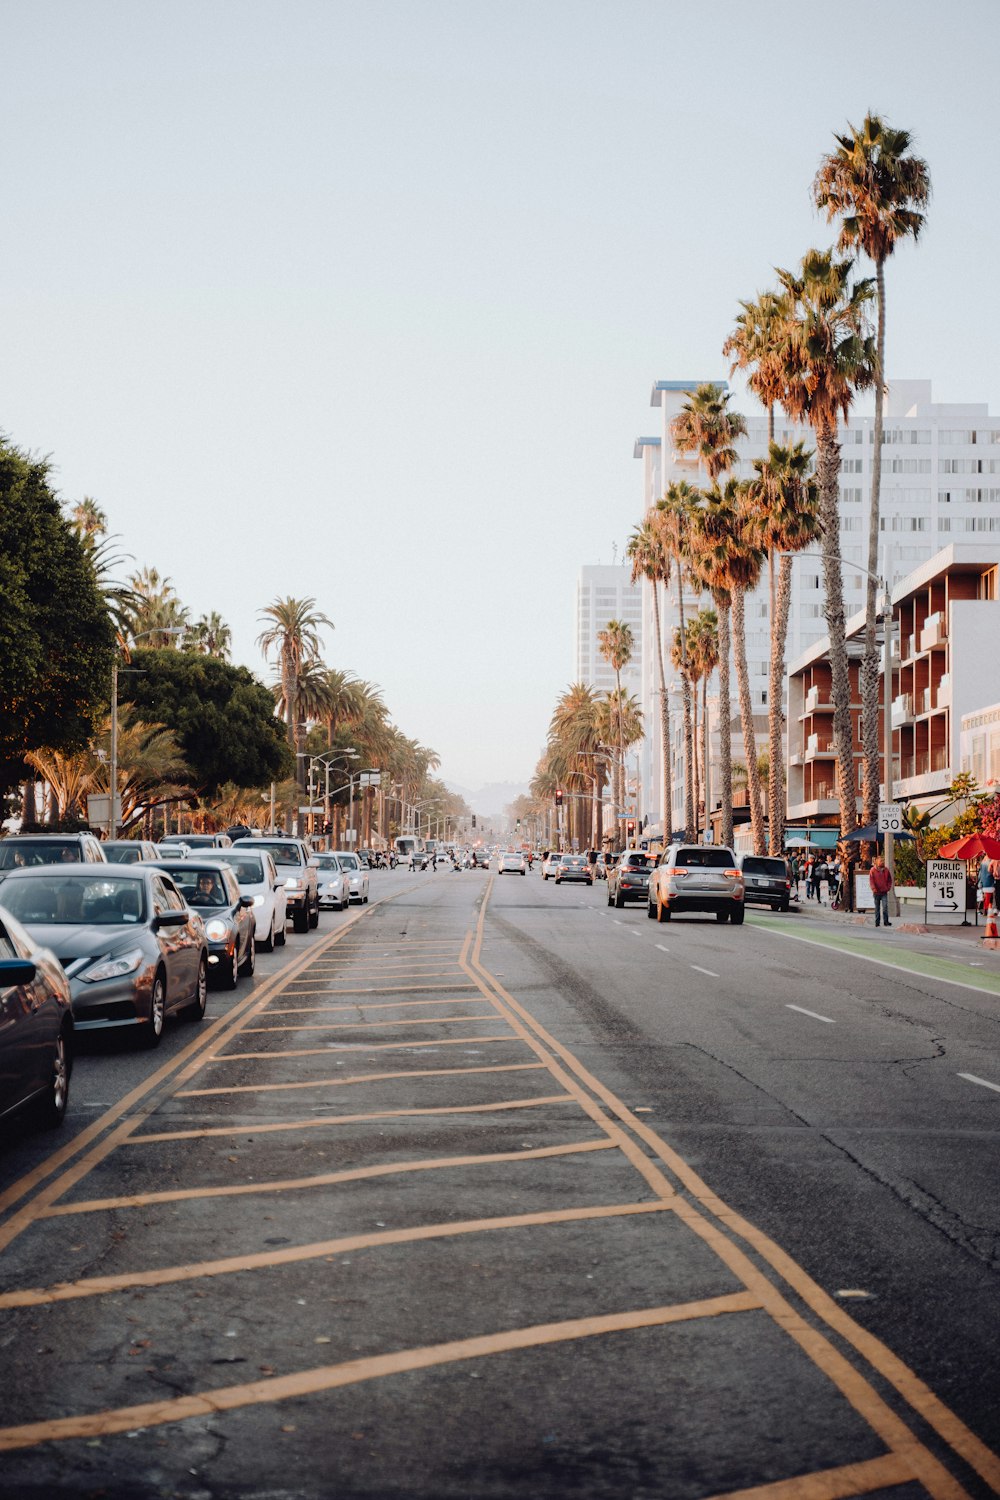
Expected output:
{"points": [[118, 935]]}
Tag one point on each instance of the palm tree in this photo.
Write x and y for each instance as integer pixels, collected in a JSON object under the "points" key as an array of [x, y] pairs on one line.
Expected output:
{"points": [[781, 507], [672, 518], [616, 644], [211, 636], [158, 615], [620, 713], [88, 520], [703, 653], [652, 561], [705, 426], [576, 730], [292, 632], [827, 354], [878, 190]]}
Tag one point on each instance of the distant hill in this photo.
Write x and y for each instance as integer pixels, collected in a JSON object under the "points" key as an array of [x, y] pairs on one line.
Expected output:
{"points": [[493, 797]]}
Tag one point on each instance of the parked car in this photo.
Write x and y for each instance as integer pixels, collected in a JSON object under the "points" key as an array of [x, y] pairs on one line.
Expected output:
{"points": [[132, 949], [210, 887], [549, 864], [36, 1027], [574, 867], [334, 882], [357, 875], [512, 862], [258, 878], [696, 877], [204, 840], [293, 859], [25, 850], [766, 881], [128, 851], [628, 880]]}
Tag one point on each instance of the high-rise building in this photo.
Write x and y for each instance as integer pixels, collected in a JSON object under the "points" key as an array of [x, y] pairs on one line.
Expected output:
{"points": [[940, 483], [603, 594]]}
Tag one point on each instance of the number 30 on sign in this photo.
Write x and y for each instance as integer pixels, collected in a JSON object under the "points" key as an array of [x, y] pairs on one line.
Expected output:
{"points": [[890, 817]]}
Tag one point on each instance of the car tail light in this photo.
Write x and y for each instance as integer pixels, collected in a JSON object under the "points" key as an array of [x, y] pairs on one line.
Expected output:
{"points": [[674, 870], [788, 885], [731, 874]]}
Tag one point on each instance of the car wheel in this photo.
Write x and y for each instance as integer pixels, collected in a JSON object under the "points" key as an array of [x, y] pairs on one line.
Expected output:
{"points": [[721, 916], [366, 898], [783, 906], [229, 977], [558, 881], [736, 915], [314, 916], [250, 962], [619, 901], [153, 1029], [196, 1010], [281, 936], [300, 920], [52, 1109], [268, 944], [662, 912], [650, 909]]}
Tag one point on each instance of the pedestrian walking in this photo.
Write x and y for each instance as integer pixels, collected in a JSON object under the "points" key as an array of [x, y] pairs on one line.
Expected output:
{"points": [[986, 882], [881, 883], [793, 874]]}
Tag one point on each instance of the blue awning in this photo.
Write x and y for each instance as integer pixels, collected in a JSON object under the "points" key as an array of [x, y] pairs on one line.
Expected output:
{"points": [[823, 838]]}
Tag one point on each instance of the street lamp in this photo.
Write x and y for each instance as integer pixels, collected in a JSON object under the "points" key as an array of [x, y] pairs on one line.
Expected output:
{"points": [[113, 771], [324, 758]]}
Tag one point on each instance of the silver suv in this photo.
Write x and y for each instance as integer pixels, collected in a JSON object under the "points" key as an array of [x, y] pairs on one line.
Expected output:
{"points": [[696, 877], [293, 861]]}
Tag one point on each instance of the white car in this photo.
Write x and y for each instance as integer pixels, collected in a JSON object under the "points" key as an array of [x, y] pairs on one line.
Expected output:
{"points": [[512, 862], [356, 873], [550, 864], [258, 877], [334, 881]]}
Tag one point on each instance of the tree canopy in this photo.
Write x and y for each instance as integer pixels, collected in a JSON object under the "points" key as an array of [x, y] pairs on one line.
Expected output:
{"points": [[56, 636], [222, 715]]}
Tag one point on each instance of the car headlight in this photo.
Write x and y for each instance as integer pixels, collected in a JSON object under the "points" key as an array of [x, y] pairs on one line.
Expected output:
{"points": [[258, 900], [114, 968], [294, 883], [217, 930]]}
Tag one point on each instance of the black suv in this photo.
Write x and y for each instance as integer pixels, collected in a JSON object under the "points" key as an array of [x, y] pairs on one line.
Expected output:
{"points": [[766, 881]]}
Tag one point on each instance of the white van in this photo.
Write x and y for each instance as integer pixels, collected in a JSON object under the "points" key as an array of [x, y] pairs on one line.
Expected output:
{"points": [[406, 846]]}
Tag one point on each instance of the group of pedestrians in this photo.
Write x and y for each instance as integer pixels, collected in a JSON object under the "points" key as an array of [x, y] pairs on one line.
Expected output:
{"points": [[820, 878]]}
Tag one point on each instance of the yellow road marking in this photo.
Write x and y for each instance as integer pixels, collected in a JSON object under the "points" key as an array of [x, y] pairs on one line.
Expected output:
{"points": [[330, 1377], [322, 1083], [832, 1484], [363, 1005], [381, 989], [440, 1041], [100, 1286], [852, 1384], [326, 1179], [322, 1121]]}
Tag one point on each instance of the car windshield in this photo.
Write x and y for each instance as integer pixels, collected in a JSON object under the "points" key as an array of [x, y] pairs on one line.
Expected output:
{"points": [[348, 861], [248, 871], [327, 862], [705, 858], [16, 854], [753, 864], [636, 861], [573, 859], [104, 901], [283, 854], [122, 854], [199, 887]]}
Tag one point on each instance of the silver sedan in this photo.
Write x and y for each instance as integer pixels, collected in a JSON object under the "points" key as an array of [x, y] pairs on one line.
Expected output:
{"points": [[356, 873]]}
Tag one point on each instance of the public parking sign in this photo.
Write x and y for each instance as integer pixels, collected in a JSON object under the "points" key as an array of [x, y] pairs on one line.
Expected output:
{"points": [[890, 817], [945, 891]]}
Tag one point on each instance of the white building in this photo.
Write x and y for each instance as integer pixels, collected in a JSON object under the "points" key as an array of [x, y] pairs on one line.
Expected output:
{"points": [[940, 483], [603, 594]]}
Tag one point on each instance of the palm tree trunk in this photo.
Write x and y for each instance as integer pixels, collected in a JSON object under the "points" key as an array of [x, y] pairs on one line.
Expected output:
{"points": [[746, 717], [828, 475], [870, 674], [722, 605], [705, 747], [620, 804], [775, 714], [666, 819], [688, 730], [695, 741]]}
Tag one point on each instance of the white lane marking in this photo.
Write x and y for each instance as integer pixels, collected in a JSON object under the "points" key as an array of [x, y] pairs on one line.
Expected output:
{"points": [[983, 1081], [617, 921], [662, 948], [885, 963], [634, 933], [815, 1014], [710, 972]]}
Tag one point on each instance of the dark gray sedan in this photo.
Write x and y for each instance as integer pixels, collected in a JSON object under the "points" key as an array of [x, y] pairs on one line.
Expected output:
{"points": [[210, 887], [132, 949]]}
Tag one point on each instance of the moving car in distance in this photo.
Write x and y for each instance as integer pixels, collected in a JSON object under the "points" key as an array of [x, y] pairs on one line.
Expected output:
{"points": [[549, 864], [128, 851], [334, 884], [132, 949], [696, 877], [574, 867], [512, 862], [628, 880], [36, 1027], [766, 880], [294, 862], [258, 878]]}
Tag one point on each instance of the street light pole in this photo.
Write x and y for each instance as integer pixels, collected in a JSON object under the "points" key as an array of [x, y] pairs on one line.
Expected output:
{"points": [[112, 820]]}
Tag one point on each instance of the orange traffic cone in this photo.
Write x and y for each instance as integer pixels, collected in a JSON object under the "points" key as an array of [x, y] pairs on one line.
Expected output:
{"points": [[990, 932]]}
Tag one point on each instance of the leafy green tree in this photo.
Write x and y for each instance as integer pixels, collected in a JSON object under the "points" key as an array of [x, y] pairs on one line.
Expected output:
{"points": [[56, 637], [223, 718]]}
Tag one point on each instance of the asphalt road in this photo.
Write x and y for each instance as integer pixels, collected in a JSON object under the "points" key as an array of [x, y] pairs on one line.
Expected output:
{"points": [[488, 1190]]}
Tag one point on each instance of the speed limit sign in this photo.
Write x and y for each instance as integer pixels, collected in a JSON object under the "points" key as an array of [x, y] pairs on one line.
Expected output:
{"points": [[890, 817]]}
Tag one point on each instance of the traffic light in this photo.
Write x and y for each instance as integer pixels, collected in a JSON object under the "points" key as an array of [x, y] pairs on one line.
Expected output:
{"points": [[328, 827], [473, 820], [559, 799], [630, 828], [518, 822]]}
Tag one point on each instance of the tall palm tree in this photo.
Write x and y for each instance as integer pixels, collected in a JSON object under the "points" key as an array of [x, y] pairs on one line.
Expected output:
{"points": [[878, 190], [828, 353], [292, 633], [88, 520], [709, 552], [686, 667], [616, 644], [211, 636], [705, 426], [158, 614], [620, 713], [652, 561], [672, 517], [703, 652], [575, 728], [781, 505]]}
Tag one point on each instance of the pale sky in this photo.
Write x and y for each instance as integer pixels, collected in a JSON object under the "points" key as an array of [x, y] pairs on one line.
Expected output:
{"points": [[364, 300]]}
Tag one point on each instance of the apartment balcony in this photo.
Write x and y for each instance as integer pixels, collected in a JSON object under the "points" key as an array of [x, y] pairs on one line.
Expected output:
{"points": [[944, 692], [909, 647], [819, 749], [925, 763], [927, 701], [902, 710], [934, 635], [816, 702]]}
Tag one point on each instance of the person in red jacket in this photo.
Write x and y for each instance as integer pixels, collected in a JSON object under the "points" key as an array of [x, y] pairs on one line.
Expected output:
{"points": [[881, 883]]}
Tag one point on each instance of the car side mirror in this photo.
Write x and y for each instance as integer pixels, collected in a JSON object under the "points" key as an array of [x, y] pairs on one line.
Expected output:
{"points": [[170, 919], [279, 885], [16, 971]]}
